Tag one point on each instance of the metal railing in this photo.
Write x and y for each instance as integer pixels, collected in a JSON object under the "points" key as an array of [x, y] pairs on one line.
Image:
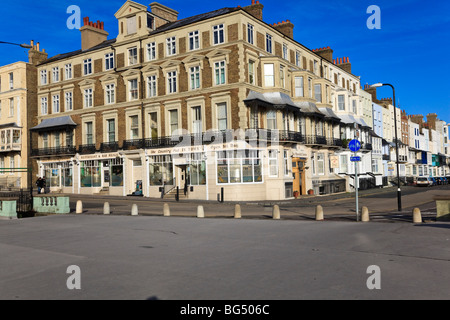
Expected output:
{"points": [[109, 146], [87, 148], [53, 151]]}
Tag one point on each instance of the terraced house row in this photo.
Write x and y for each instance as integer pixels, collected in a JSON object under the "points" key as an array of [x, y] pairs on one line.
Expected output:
{"points": [[218, 103]]}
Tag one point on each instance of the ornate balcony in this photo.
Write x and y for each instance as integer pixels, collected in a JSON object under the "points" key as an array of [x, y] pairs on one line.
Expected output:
{"points": [[56, 151], [109, 146], [87, 148]]}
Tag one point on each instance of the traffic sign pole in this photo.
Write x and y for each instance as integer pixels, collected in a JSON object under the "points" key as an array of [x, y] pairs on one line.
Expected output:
{"points": [[356, 187], [354, 146]]}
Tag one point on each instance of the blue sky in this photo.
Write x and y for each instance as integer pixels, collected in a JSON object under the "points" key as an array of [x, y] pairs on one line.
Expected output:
{"points": [[410, 51]]}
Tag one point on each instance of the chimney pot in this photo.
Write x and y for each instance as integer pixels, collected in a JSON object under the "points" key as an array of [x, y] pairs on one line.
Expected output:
{"points": [[253, 2]]}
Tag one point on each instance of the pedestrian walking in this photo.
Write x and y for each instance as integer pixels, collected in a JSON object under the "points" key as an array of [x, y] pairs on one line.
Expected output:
{"points": [[38, 184]]}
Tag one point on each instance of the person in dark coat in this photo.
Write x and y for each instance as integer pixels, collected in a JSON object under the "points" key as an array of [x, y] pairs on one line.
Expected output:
{"points": [[39, 185]]}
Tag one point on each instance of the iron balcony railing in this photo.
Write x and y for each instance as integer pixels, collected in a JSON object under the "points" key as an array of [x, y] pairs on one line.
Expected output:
{"points": [[87, 148], [109, 146], [53, 151]]}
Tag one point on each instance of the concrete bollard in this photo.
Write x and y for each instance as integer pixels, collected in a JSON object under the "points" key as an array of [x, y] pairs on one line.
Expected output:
{"points": [[134, 210], [166, 210], [319, 213], [237, 211], [200, 212], [365, 214], [276, 212], [417, 216], [106, 209], [79, 207]]}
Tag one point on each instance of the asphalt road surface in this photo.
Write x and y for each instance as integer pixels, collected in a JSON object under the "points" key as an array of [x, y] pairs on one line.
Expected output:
{"points": [[179, 258]]}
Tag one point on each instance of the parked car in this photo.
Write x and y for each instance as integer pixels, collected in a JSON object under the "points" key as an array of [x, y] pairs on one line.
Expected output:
{"points": [[424, 182]]}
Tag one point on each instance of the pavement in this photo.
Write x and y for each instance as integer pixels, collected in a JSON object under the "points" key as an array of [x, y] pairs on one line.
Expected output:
{"points": [[160, 258], [151, 257], [381, 203]]}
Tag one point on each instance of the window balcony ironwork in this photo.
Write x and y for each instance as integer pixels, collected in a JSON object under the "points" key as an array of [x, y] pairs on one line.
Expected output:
{"points": [[55, 151], [87, 148], [109, 146]]}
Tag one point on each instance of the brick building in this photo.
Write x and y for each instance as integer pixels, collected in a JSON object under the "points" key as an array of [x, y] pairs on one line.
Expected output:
{"points": [[160, 106], [18, 85]]}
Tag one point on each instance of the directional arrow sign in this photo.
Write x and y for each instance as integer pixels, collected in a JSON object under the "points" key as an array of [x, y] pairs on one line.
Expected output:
{"points": [[354, 145]]}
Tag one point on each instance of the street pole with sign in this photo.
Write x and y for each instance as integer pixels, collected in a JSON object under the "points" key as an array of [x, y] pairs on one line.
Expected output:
{"points": [[354, 146]]}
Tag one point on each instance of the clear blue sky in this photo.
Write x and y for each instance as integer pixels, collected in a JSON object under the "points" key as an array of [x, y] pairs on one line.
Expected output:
{"points": [[411, 51]]}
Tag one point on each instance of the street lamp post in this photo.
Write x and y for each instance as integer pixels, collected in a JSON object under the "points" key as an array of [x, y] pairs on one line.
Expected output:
{"points": [[23, 45], [399, 191]]}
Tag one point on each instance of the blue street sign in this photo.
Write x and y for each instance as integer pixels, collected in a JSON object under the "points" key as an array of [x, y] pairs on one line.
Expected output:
{"points": [[354, 145], [354, 159]]}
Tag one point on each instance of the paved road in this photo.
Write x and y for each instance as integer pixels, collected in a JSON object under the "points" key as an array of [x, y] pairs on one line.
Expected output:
{"points": [[149, 257]]}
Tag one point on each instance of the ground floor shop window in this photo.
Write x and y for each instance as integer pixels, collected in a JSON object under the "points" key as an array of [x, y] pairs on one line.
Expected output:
{"points": [[90, 174], [51, 174], [239, 166], [116, 166], [58, 174], [161, 170], [196, 169], [67, 174]]}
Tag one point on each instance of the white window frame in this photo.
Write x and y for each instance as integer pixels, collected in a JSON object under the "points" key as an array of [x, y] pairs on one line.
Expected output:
{"points": [[171, 46], [299, 86], [341, 104], [68, 71], [269, 43], [133, 56], [151, 51], [250, 33], [218, 34], [56, 107], [194, 77], [251, 72], [44, 106], [110, 93], [194, 40], [55, 74], [87, 66], [172, 82], [88, 98], [44, 77], [285, 51], [273, 163], [133, 92], [269, 78], [109, 61], [68, 101], [220, 72], [152, 86]]}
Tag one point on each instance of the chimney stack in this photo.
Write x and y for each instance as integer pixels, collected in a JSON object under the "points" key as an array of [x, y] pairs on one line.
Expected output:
{"points": [[35, 56], [256, 10], [326, 53], [163, 14], [345, 64], [286, 28], [92, 34]]}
